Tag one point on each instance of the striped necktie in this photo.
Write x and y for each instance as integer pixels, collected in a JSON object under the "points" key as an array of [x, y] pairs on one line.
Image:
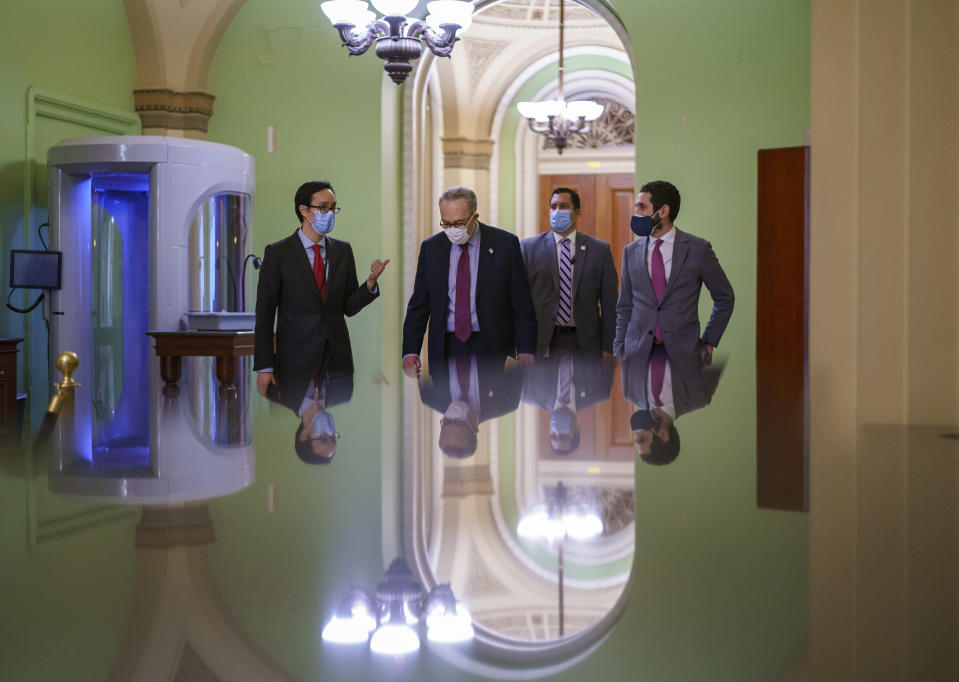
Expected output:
{"points": [[564, 312]]}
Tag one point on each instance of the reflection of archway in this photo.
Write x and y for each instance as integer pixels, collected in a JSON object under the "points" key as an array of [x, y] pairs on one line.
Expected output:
{"points": [[441, 148]]}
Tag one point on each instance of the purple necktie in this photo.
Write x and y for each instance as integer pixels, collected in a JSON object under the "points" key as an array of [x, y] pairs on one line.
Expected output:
{"points": [[462, 320], [657, 373], [658, 272]]}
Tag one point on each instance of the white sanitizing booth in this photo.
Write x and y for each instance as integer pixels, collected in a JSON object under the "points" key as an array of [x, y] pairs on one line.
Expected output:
{"points": [[151, 229]]}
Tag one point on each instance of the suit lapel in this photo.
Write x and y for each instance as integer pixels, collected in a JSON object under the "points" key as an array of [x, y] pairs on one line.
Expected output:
{"points": [[680, 249], [485, 256], [302, 264], [547, 254], [579, 254], [644, 279]]}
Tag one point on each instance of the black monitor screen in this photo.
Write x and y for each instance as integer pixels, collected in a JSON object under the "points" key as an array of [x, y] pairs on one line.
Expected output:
{"points": [[35, 269]]}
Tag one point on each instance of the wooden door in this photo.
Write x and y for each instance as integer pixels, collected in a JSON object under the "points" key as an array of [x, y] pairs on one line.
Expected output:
{"points": [[781, 315], [606, 204]]}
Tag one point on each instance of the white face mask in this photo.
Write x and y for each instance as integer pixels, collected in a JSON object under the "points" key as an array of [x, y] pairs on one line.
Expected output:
{"points": [[459, 411], [457, 235]]}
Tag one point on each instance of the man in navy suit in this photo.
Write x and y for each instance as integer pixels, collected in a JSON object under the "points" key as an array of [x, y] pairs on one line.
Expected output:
{"points": [[471, 288], [307, 285]]}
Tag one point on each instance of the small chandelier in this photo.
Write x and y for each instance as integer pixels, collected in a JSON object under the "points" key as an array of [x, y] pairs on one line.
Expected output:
{"points": [[389, 617], [399, 40], [557, 119]]}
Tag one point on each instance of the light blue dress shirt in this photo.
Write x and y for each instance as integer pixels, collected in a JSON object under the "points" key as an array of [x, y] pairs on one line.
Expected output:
{"points": [[473, 247]]}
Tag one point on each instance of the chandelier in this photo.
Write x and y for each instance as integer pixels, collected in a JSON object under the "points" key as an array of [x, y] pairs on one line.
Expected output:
{"points": [[399, 604], [399, 39], [557, 119]]}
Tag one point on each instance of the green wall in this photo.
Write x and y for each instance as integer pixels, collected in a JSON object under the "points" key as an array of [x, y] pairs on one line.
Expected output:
{"points": [[711, 573], [65, 603]]}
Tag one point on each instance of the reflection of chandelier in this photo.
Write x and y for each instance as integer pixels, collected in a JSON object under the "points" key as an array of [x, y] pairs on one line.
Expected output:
{"points": [[557, 119], [556, 520], [399, 604], [398, 39]]}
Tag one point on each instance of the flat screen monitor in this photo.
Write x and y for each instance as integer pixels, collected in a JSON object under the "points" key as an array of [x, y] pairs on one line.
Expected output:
{"points": [[35, 269]]}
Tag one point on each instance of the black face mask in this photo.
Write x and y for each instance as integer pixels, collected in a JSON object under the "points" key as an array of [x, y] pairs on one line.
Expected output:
{"points": [[642, 420]]}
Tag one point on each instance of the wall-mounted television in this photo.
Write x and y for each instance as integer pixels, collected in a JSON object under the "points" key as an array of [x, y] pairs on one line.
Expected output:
{"points": [[35, 269]]}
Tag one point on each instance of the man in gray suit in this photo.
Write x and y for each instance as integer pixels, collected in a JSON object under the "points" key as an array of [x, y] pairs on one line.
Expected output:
{"points": [[663, 274], [573, 282]]}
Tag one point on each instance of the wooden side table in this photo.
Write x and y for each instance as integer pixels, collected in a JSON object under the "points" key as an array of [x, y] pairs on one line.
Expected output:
{"points": [[225, 346], [8, 386]]}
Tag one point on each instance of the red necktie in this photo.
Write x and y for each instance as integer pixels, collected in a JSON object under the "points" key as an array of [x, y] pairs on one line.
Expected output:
{"points": [[658, 271], [462, 319], [463, 367], [319, 272]]}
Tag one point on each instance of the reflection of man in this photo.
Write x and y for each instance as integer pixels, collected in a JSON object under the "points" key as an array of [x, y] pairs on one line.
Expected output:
{"points": [[563, 384], [471, 288], [665, 385], [310, 399], [469, 390], [573, 282], [663, 274], [307, 284]]}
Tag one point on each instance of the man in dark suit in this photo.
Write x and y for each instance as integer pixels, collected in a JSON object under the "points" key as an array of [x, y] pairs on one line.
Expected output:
{"points": [[563, 384], [663, 274], [307, 284], [573, 283], [468, 390], [664, 385], [471, 288]]}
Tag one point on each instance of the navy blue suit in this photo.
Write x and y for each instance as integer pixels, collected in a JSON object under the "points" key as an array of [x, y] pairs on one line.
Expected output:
{"points": [[504, 306]]}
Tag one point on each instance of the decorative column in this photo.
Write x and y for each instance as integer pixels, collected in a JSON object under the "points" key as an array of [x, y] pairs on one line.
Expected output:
{"points": [[174, 44]]}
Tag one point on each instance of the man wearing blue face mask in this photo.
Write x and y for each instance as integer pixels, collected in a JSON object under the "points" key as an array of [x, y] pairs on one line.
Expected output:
{"points": [[573, 282], [307, 285], [663, 273]]}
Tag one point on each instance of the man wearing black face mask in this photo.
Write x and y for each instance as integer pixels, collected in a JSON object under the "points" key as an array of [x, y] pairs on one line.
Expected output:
{"points": [[662, 276]]}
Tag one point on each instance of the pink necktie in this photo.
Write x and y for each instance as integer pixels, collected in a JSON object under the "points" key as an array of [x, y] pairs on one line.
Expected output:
{"points": [[658, 270], [462, 319], [657, 373]]}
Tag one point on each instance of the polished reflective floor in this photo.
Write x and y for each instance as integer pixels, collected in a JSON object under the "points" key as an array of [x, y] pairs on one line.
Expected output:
{"points": [[595, 519]]}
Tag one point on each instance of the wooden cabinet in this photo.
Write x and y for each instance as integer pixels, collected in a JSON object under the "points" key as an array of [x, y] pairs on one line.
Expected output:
{"points": [[8, 385]]}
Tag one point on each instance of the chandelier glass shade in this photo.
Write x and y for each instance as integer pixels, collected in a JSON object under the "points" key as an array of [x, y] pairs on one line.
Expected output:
{"points": [[558, 119], [399, 39]]}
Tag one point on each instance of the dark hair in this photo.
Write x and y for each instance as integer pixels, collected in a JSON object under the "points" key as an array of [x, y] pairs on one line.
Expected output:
{"points": [[304, 449], [304, 194], [571, 192], [663, 453], [662, 192]]}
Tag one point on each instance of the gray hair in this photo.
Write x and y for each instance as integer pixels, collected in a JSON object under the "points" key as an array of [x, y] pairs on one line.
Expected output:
{"points": [[460, 192]]}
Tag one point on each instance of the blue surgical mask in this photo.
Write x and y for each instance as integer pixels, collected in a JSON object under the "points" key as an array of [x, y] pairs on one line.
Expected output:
{"points": [[323, 222], [560, 220], [323, 423], [561, 422], [642, 420], [643, 225]]}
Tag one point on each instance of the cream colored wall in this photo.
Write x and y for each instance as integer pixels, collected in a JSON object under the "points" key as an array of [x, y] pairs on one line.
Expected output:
{"points": [[883, 343]]}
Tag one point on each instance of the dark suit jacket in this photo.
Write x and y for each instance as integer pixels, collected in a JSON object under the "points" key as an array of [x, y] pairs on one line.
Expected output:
{"points": [[594, 290], [592, 381], [307, 326], [499, 388], [693, 382], [504, 308]]}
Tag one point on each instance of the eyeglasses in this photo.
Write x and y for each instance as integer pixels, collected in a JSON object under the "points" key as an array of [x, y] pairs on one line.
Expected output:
{"points": [[458, 223], [327, 209]]}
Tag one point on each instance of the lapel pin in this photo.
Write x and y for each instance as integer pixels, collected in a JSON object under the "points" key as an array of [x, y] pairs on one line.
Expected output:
{"points": [[582, 248], [491, 252]]}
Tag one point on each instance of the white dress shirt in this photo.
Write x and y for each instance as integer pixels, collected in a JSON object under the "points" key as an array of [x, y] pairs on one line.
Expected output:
{"points": [[666, 248]]}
